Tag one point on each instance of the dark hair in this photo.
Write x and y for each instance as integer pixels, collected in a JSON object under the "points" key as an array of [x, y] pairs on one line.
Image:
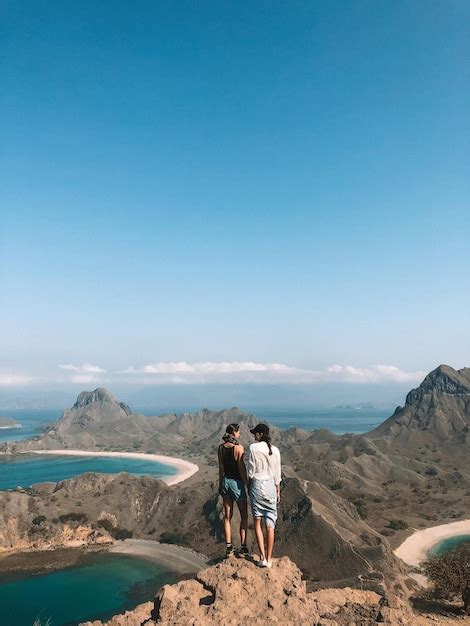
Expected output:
{"points": [[232, 429], [267, 439]]}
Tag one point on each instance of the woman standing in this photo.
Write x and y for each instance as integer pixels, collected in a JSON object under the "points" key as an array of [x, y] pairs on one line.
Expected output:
{"points": [[264, 473], [232, 481]]}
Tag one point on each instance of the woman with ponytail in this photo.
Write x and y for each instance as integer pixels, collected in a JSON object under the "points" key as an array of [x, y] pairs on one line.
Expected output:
{"points": [[232, 481], [264, 474]]}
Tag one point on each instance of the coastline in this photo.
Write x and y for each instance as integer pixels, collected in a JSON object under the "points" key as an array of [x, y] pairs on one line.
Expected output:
{"points": [[176, 558], [415, 548], [184, 469]]}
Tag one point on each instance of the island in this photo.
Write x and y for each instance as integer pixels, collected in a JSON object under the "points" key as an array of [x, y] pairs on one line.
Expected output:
{"points": [[7, 423]]}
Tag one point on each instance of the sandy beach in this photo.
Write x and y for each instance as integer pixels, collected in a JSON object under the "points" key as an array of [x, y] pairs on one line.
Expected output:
{"points": [[176, 558], [414, 550], [185, 469]]}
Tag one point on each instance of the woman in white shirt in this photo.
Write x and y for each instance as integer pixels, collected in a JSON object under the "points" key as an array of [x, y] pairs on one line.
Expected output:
{"points": [[264, 474]]}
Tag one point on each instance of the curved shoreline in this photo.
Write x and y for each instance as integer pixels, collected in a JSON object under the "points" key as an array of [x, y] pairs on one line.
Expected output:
{"points": [[176, 558], [184, 469], [414, 550]]}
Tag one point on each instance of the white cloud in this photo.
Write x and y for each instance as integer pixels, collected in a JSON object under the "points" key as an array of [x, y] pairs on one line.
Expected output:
{"points": [[377, 373], [182, 372], [12, 380], [83, 379], [84, 367]]}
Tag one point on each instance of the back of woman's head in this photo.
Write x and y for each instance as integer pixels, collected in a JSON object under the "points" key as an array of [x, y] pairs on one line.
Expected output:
{"points": [[230, 433], [263, 431], [232, 429]]}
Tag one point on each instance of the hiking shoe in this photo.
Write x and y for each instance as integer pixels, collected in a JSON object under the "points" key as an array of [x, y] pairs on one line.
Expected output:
{"points": [[243, 551], [262, 563], [228, 551]]}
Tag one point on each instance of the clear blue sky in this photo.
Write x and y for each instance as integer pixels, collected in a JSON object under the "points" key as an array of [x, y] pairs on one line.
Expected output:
{"points": [[234, 181]]}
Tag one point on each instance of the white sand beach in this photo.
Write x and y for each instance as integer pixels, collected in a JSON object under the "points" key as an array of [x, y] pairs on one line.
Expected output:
{"points": [[176, 558], [185, 469], [414, 550]]}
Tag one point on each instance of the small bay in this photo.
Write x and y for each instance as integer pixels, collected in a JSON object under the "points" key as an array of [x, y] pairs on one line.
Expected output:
{"points": [[27, 469], [103, 586]]}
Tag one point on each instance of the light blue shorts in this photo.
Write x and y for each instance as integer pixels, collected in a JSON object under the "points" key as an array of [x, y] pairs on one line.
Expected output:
{"points": [[263, 498], [232, 488]]}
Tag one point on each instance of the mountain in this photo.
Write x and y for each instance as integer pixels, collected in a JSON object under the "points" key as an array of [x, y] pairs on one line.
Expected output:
{"points": [[437, 413], [347, 500], [7, 422], [97, 421]]}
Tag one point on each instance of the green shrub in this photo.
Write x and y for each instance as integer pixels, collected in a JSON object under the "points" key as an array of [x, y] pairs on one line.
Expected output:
{"points": [[398, 524], [169, 537], [73, 517], [122, 533]]}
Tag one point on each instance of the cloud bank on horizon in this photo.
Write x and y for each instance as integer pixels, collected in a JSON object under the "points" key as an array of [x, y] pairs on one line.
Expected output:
{"points": [[216, 372]]}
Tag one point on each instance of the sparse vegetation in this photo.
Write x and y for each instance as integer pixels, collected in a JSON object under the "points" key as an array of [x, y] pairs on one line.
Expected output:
{"points": [[398, 524], [339, 484], [39, 519], [430, 471], [73, 517], [122, 533], [177, 538]]}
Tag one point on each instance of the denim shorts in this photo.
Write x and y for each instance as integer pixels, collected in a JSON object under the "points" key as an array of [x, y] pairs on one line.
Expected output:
{"points": [[232, 488]]}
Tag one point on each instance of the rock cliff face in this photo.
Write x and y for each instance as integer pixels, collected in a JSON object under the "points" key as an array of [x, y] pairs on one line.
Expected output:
{"points": [[435, 413], [237, 592]]}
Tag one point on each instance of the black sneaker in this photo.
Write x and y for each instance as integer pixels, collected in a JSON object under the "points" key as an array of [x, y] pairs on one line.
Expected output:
{"points": [[243, 551], [228, 551]]}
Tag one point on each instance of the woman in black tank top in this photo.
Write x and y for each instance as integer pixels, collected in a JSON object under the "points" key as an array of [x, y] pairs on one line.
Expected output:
{"points": [[232, 481]]}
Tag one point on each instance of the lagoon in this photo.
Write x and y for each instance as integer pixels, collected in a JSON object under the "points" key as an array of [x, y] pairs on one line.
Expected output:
{"points": [[104, 585], [27, 469]]}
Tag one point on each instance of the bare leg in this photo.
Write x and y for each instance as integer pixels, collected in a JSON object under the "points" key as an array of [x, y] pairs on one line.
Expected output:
{"points": [[259, 537], [270, 542], [228, 512], [243, 508]]}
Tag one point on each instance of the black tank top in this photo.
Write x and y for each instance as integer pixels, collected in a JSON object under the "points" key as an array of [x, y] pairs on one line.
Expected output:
{"points": [[229, 462]]}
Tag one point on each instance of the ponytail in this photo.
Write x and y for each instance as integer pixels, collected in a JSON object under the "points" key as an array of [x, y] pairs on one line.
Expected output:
{"points": [[230, 432], [267, 439]]}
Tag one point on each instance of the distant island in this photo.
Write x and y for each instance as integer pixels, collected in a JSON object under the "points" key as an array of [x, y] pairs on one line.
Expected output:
{"points": [[7, 422]]}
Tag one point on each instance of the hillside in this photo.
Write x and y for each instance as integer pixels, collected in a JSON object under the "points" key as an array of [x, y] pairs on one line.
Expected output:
{"points": [[346, 500], [237, 592]]}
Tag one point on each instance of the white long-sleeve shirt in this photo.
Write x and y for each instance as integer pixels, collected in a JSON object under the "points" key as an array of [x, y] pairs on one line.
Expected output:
{"points": [[261, 464]]}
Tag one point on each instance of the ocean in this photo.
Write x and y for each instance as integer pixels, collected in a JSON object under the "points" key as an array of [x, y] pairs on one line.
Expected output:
{"points": [[107, 584], [337, 419], [26, 469]]}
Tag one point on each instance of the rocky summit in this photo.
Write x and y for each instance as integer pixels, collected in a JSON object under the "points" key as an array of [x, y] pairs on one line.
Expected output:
{"points": [[437, 412], [236, 592]]}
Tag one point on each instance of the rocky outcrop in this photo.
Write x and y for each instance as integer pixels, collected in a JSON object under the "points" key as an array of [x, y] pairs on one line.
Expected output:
{"points": [[435, 413], [236, 592]]}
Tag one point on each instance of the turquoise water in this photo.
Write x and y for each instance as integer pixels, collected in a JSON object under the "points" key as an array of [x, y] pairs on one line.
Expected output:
{"points": [[31, 421], [109, 584], [337, 419], [26, 469], [446, 545]]}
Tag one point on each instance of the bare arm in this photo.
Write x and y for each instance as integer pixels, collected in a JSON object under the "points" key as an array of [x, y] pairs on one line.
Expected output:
{"points": [[239, 450], [221, 465]]}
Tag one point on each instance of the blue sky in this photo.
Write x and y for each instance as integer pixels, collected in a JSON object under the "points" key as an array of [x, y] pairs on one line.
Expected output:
{"points": [[221, 183]]}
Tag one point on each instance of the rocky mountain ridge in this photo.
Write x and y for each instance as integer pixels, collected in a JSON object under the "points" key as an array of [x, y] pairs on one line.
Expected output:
{"points": [[236, 592]]}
